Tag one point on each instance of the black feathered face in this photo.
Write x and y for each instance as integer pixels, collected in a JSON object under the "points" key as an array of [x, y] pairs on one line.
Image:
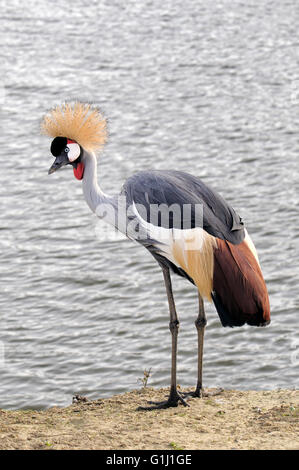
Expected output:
{"points": [[66, 151], [58, 145]]}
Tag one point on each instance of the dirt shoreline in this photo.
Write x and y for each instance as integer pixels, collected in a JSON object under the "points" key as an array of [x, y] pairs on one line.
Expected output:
{"points": [[232, 420]]}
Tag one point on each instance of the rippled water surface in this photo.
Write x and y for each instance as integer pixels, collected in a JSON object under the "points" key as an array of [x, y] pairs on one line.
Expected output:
{"points": [[211, 88]]}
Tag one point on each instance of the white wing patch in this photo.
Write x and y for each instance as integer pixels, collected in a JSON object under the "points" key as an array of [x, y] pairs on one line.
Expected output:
{"points": [[189, 249], [251, 246]]}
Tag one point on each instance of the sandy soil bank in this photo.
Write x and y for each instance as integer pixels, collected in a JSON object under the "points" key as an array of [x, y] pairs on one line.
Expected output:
{"points": [[232, 420]]}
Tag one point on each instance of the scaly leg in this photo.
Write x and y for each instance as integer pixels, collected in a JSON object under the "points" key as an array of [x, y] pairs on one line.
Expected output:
{"points": [[200, 324], [174, 396]]}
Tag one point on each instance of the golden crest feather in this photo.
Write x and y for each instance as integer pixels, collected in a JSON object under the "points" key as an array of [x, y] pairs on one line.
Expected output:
{"points": [[81, 122]]}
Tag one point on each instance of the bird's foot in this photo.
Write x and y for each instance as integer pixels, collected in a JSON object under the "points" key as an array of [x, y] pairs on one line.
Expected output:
{"points": [[173, 400], [200, 393]]}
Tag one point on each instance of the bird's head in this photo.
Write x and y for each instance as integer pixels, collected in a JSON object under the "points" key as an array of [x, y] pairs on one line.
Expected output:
{"points": [[78, 129], [67, 152]]}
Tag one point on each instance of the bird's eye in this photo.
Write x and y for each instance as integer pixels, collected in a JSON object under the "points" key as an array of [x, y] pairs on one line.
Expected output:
{"points": [[66, 149]]}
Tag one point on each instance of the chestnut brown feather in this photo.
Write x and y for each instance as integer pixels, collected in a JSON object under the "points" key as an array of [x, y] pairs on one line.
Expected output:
{"points": [[239, 290]]}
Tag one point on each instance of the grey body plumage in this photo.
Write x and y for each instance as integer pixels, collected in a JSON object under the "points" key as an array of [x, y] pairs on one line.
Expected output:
{"points": [[176, 187]]}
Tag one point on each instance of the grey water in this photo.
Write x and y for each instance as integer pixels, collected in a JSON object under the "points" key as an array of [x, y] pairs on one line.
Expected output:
{"points": [[208, 87]]}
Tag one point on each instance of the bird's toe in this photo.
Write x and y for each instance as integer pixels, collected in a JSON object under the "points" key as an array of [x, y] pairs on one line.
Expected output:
{"points": [[173, 400]]}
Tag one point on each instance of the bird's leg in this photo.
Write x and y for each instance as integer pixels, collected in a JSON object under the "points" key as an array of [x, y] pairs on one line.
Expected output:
{"points": [[200, 324], [174, 396]]}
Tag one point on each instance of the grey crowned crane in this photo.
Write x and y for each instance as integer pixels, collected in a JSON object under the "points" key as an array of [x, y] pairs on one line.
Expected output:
{"points": [[201, 238]]}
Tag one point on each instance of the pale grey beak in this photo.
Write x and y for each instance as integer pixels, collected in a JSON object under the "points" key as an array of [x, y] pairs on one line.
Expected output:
{"points": [[60, 160]]}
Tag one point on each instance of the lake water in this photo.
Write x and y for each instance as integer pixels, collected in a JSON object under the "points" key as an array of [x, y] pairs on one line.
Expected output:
{"points": [[207, 87]]}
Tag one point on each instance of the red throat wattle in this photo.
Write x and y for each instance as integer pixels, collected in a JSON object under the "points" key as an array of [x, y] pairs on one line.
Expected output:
{"points": [[79, 171]]}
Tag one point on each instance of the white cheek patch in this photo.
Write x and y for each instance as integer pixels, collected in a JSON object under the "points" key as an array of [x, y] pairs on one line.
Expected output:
{"points": [[74, 152]]}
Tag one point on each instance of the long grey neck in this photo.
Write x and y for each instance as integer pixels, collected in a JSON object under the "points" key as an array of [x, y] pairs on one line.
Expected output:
{"points": [[98, 201]]}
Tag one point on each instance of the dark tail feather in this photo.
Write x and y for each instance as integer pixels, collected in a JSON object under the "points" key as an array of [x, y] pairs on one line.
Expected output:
{"points": [[225, 317], [239, 290]]}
